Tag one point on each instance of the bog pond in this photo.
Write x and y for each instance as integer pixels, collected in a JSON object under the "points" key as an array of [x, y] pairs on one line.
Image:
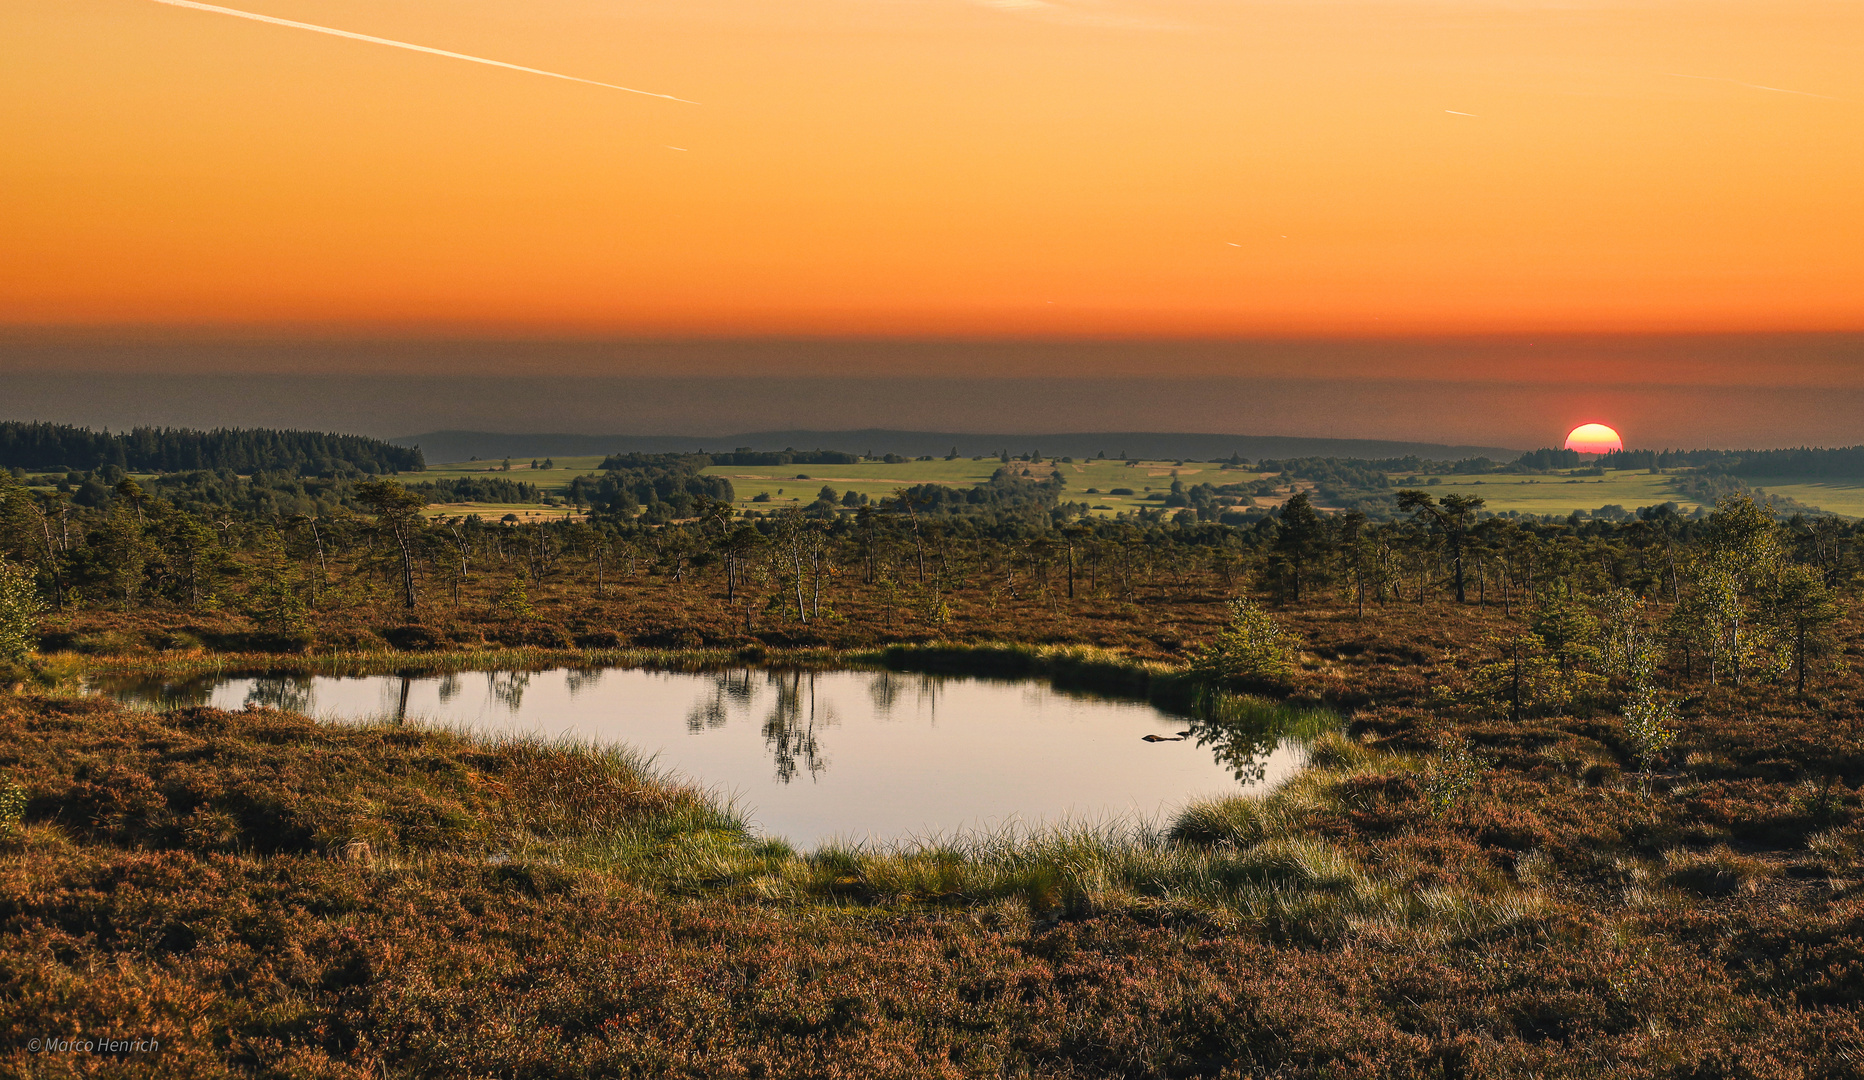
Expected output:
{"points": [[819, 756]]}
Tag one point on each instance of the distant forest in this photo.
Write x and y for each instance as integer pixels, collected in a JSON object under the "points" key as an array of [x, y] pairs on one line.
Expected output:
{"points": [[284, 473], [167, 450], [744, 455], [1842, 462]]}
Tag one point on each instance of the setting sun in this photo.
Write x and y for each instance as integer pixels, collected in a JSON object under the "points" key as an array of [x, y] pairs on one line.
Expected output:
{"points": [[1594, 439]]}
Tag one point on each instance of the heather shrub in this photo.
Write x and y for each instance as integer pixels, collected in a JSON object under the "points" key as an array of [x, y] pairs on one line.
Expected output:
{"points": [[13, 800], [1452, 775]]}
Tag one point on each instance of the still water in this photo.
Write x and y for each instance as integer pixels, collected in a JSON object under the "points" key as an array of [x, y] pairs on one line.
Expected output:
{"points": [[818, 756]]}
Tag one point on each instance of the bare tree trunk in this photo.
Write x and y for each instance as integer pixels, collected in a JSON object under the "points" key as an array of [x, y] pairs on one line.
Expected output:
{"points": [[796, 568], [407, 568], [1515, 711], [815, 581], [1735, 651], [323, 568], [1799, 656], [51, 559]]}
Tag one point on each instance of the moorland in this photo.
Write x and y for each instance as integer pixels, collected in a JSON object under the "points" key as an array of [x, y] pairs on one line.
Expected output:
{"points": [[1587, 803]]}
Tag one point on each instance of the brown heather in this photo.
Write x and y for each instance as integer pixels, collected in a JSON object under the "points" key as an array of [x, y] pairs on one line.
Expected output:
{"points": [[270, 896]]}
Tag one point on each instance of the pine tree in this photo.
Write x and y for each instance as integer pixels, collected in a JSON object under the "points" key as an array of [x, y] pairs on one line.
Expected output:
{"points": [[1250, 648]]}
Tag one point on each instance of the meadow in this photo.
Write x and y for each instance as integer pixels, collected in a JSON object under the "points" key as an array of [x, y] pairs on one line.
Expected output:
{"points": [[1089, 480], [1140, 485], [1557, 494], [554, 481], [524, 513], [1094, 481], [555, 478], [1842, 497]]}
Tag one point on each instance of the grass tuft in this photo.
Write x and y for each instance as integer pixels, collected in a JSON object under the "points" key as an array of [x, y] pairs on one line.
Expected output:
{"points": [[1718, 871]]}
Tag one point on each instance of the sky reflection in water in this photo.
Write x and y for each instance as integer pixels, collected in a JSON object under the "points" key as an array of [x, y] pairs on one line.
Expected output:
{"points": [[813, 756]]}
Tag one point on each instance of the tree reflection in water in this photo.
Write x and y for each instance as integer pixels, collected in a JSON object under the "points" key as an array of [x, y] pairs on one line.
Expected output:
{"points": [[507, 687], [157, 692], [448, 687], [576, 680], [885, 692], [286, 693], [790, 729], [730, 690], [1243, 732]]}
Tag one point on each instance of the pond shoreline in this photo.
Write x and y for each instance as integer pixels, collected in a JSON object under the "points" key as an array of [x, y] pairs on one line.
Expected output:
{"points": [[1072, 668], [853, 751]]}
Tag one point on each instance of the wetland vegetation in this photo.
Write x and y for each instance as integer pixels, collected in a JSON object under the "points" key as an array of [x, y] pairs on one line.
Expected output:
{"points": [[1589, 803]]}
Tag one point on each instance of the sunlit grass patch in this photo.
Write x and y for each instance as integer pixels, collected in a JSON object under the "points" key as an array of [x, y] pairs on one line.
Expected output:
{"points": [[1718, 871]]}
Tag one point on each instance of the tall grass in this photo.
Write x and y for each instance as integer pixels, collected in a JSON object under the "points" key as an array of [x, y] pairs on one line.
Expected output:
{"points": [[1257, 859]]}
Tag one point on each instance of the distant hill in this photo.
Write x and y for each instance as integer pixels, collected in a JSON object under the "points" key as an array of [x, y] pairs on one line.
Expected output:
{"points": [[439, 446]]}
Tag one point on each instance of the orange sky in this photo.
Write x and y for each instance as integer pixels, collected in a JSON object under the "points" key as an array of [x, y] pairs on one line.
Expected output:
{"points": [[927, 167]]}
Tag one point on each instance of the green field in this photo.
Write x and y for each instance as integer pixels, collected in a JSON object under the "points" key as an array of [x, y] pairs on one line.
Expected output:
{"points": [[525, 512], [1092, 481], [1843, 497], [1561, 495], [796, 485], [556, 479], [1089, 481]]}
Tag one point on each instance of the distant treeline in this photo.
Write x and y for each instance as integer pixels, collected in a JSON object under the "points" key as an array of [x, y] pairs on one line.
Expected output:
{"points": [[740, 456], [263, 494], [659, 487], [1369, 472], [1842, 462], [1005, 493], [167, 450], [480, 489]]}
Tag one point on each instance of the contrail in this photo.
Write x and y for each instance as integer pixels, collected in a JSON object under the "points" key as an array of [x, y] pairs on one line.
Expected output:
{"points": [[1752, 86], [406, 45]]}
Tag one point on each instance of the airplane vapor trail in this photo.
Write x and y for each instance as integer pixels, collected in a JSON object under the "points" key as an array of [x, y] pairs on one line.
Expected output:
{"points": [[1751, 86], [408, 45]]}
